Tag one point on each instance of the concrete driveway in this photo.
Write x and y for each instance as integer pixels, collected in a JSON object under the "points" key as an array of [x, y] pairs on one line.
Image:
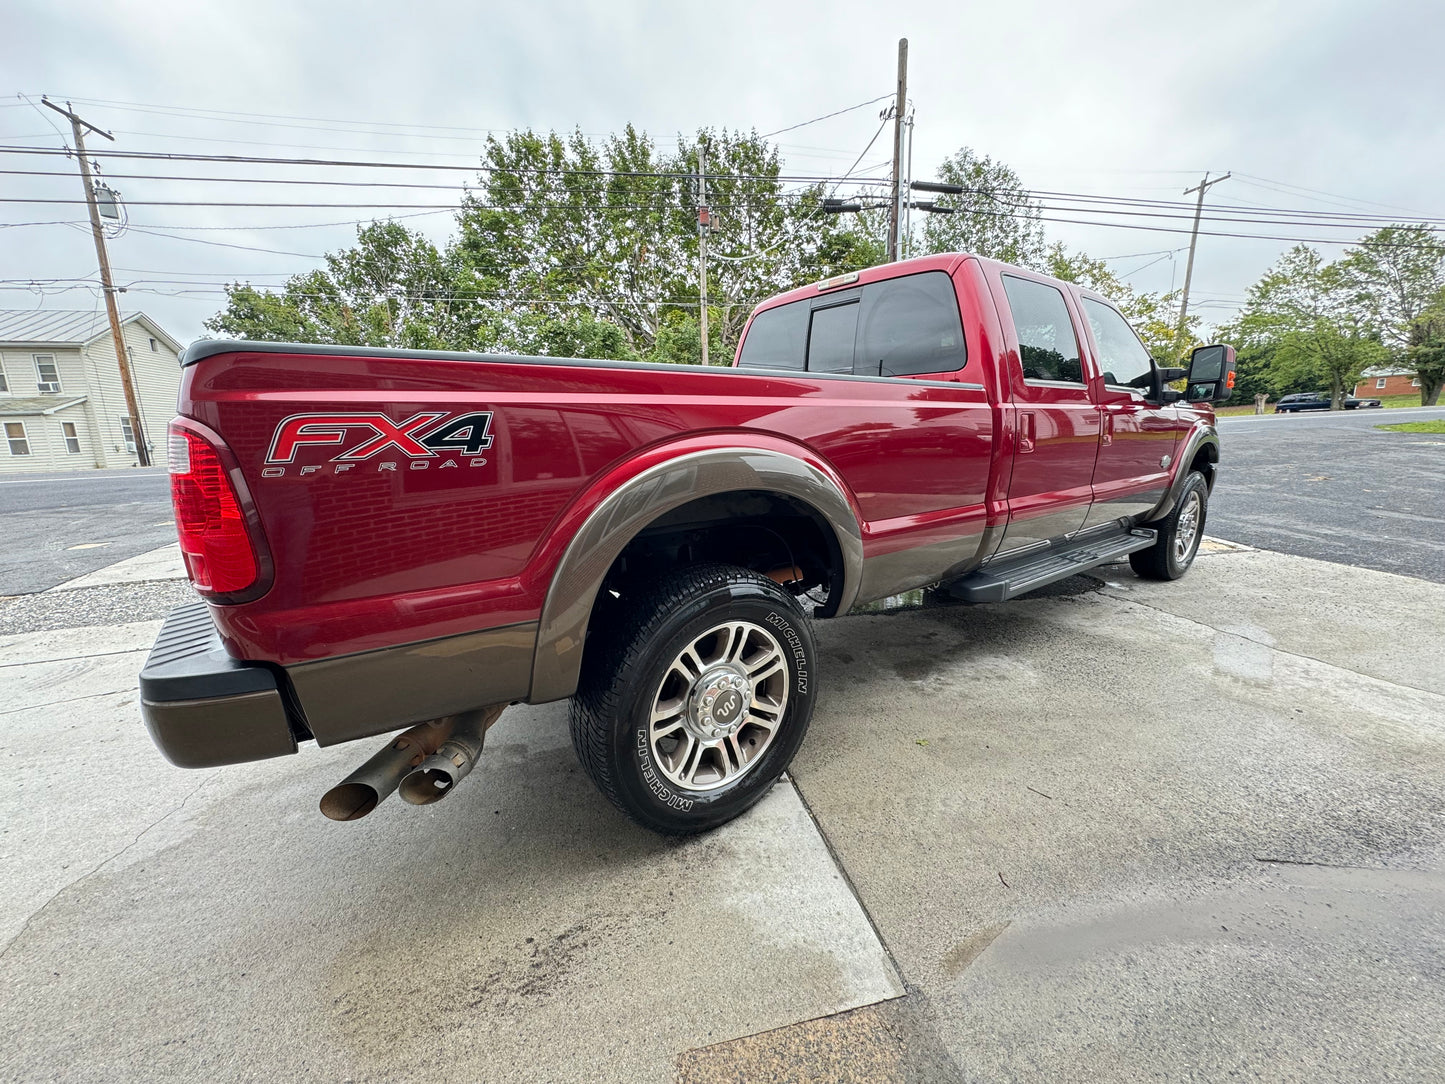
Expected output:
{"points": [[1125, 831]]}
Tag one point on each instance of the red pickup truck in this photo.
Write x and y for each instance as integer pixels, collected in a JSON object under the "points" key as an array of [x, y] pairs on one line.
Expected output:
{"points": [[387, 538]]}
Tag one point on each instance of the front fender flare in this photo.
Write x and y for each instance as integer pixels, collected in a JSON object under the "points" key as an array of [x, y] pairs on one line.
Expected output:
{"points": [[1199, 437], [639, 501]]}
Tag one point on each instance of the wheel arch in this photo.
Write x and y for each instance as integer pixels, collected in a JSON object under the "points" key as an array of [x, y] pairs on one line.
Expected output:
{"points": [[648, 498], [1200, 451]]}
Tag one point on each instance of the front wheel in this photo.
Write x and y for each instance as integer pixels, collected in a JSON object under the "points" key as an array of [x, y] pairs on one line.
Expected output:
{"points": [[694, 697], [1180, 533]]}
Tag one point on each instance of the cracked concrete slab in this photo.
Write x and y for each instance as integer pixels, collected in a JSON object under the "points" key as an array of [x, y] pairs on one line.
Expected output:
{"points": [[1054, 811], [164, 924]]}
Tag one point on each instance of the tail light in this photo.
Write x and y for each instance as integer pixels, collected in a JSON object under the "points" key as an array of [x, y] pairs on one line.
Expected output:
{"points": [[220, 556]]}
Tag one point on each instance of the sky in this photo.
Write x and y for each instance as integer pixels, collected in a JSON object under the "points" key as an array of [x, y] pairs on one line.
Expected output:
{"points": [[1322, 108]]}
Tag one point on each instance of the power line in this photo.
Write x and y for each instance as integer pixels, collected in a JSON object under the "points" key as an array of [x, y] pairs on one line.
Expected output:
{"points": [[166, 156], [827, 116]]}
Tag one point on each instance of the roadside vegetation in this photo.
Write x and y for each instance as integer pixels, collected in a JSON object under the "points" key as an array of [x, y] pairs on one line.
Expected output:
{"points": [[576, 247], [1435, 425]]}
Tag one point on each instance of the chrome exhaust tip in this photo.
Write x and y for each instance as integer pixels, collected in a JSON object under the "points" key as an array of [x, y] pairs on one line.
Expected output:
{"points": [[372, 783], [438, 774]]}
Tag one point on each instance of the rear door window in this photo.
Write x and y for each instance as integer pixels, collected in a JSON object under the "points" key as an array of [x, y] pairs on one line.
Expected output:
{"points": [[1048, 347], [910, 325], [777, 338]]}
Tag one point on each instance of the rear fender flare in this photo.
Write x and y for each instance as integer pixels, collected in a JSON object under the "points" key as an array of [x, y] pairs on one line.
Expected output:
{"points": [[635, 504]]}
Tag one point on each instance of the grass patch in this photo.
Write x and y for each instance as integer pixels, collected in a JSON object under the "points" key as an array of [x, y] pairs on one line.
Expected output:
{"points": [[1436, 425]]}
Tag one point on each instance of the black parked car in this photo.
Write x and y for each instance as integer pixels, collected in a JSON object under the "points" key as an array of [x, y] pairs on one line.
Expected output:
{"points": [[1318, 400]]}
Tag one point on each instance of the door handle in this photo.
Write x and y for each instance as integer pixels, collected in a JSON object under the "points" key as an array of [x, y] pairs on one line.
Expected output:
{"points": [[1027, 433]]}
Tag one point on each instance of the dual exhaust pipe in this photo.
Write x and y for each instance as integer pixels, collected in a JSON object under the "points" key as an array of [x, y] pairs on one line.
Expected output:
{"points": [[424, 764]]}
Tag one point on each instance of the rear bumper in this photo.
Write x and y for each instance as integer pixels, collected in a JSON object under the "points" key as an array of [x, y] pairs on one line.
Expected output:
{"points": [[204, 708]]}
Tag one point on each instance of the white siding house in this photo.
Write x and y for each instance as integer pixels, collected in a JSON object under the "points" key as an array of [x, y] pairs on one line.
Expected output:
{"points": [[61, 402]]}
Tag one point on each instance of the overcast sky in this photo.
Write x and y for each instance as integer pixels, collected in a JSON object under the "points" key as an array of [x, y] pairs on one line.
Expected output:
{"points": [[1323, 107]]}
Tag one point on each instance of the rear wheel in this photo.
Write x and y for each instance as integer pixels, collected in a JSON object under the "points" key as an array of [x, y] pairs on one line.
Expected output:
{"points": [[694, 697], [1180, 533]]}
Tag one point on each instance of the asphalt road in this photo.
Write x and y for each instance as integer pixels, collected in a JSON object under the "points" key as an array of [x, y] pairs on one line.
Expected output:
{"points": [[111, 514], [1334, 487]]}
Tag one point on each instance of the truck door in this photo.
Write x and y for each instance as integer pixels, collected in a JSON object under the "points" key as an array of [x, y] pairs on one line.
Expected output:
{"points": [[1056, 418], [1137, 446]]}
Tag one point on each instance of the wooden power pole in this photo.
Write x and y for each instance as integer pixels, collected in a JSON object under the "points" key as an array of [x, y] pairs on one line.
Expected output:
{"points": [[895, 217], [78, 127], [1202, 188], [704, 221]]}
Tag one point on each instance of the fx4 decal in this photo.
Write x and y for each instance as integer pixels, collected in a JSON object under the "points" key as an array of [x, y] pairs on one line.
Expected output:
{"points": [[420, 438]]}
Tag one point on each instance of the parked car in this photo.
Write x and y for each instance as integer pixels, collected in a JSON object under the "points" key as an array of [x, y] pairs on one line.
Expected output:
{"points": [[385, 538], [1318, 400]]}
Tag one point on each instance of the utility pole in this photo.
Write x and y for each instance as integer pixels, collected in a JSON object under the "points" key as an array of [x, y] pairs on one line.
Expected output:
{"points": [[896, 205], [704, 220], [1202, 188], [78, 127]]}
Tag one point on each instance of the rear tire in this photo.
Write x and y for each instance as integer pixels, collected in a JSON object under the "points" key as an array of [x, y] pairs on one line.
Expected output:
{"points": [[694, 697], [1180, 533]]}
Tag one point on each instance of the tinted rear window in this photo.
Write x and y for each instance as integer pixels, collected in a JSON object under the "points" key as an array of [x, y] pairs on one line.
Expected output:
{"points": [[777, 338], [830, 341], [910, 325]]}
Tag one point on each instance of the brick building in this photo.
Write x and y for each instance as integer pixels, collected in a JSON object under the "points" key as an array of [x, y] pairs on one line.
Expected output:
{"points": [[1380, 381]]}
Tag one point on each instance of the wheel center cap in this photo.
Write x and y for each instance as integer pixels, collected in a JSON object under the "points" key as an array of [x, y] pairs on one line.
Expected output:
{"points": [[720, 702]]}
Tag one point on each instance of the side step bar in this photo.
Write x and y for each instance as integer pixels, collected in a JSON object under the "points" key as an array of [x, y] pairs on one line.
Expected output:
{"points": [[999, 583]]}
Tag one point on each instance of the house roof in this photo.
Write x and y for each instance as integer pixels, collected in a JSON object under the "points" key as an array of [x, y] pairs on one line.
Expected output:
{"points": [[41, 404], [67, 327], [1386, 370]]}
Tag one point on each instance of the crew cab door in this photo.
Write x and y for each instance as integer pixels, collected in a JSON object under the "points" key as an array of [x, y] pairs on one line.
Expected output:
{"points": [[1137, 444], [1056, 418]]}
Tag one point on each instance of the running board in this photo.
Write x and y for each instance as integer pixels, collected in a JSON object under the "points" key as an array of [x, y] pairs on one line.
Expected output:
{"points": [[999, 583]]}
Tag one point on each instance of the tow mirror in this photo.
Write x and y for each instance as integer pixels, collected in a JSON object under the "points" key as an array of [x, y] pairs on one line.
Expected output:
{"points": [[1164, 376], [1211, 374]]}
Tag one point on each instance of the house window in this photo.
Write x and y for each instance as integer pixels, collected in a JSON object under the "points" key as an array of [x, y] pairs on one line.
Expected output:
{"points": [[1415, 383], [72, 438], [15, 435], [127, 434], [4, 385], [1380, 383], [153, 346], [47, 376]]}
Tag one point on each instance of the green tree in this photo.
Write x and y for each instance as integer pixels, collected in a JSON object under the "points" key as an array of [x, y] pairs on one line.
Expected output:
{"points": [[1301, 310], [394, 288], [1425, 350], [995, 216], [1153, 315], [1390, 277]]}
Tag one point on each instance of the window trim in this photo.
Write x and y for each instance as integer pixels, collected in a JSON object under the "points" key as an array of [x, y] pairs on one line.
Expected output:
{"points": [[1381, 381], [4, 380], [23, 438], [73, 435], [39, 379]]}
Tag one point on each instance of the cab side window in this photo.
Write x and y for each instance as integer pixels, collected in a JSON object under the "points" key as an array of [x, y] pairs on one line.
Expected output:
{"points": [[1122, 357], [910, 325], [1048, 348]]}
